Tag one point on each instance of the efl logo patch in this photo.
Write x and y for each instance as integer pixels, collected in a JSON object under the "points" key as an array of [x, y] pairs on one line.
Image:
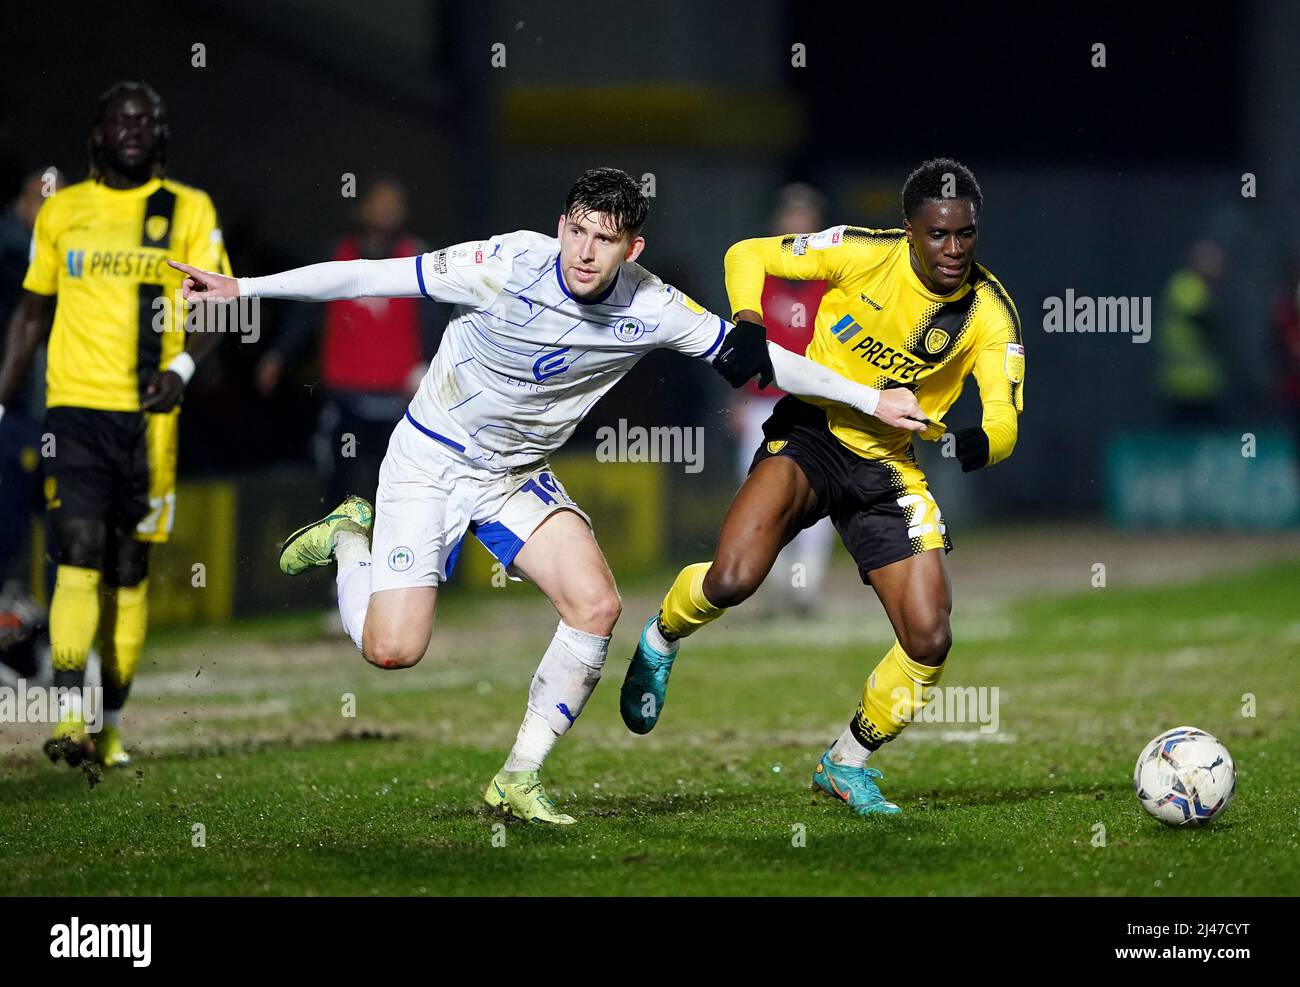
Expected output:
{"points": [[776, 445], [1015, 363], [689, 302], [401, 558], [467, 254], [826, 238]]}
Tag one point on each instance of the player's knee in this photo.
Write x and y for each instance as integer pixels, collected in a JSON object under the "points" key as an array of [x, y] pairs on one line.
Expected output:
{"points": [[728, 584], [128, 570], [928, 642], [391, 651], [597, 613]]}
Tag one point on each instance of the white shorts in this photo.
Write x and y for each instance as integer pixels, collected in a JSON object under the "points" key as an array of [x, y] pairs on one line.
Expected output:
{"points": [[429, 497]]}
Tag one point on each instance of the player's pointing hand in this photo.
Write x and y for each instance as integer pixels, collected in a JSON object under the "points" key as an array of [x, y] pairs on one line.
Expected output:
{"points": [[898, 407], [204, 286]]}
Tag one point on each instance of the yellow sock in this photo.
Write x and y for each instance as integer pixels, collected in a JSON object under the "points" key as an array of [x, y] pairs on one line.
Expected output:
{"points": [[686, 609], [126, 615], [74, 617], [893, 695]]}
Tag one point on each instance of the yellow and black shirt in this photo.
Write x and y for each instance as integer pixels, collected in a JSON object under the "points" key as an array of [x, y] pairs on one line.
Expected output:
{"points": [[104, 253], [879, 325]]}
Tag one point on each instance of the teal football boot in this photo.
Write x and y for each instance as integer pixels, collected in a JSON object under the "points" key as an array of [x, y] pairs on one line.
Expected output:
{"points": [[852, 786], [645, 686]]}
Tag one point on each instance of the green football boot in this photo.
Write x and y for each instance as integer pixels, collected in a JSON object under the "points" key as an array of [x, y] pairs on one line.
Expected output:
{"points": [[313, 545], [520, 794]]}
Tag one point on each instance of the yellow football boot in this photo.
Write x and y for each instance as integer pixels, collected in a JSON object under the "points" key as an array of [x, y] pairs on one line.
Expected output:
{"points": [[520, 794], [313, 544], [109, 750]]}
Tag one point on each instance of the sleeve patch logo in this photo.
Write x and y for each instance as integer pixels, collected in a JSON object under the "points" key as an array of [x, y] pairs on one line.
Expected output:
{"points": [[467, 254], [440, 262], [689, 302], [1015, 363], [826, 238]]}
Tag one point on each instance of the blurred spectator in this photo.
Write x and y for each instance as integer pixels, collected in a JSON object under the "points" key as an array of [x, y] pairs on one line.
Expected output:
{"points": [[16, 225], [20, 474], [1191, 376], [24, 633], [1286, 323], [790, 314], [373, 353]]}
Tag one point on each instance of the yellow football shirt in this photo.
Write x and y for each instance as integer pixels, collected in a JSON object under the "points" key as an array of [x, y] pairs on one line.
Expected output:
{"points": [[119, 316], [879, 325]]}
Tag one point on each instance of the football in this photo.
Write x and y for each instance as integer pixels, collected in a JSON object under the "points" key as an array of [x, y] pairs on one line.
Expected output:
{"points": [[1185, 777]]}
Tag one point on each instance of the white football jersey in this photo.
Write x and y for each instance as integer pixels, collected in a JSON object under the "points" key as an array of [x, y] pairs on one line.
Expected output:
{"points": [[522, 361]]}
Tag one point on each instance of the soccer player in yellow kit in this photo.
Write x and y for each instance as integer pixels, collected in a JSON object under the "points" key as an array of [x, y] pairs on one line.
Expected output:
{"points": [[904, 308], [117, 366]]}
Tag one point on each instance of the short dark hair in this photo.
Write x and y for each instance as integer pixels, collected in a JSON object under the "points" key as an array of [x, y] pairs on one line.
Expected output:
{"points": [[150, 95], [613, 192], [931, 181]]}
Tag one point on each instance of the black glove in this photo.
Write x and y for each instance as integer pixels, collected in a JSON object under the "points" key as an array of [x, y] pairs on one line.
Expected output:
{"points": [[972, 448], [744, 354]]}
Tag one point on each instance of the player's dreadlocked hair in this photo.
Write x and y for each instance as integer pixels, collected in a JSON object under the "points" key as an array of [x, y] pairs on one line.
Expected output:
{"points": [[146, 91], [613, 192], [940, 178]]}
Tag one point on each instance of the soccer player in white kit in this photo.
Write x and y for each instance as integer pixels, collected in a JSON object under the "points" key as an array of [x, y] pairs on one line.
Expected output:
{"points": [[543, 327]]}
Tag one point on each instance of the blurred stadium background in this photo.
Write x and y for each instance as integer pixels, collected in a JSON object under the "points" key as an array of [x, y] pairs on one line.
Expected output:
{"points": [[1122, 181], [1101, 181]]}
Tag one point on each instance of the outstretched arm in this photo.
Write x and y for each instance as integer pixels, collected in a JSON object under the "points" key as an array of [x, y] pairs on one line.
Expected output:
{"points": [[314, 283], [832, 255], [741, 351], [466, 274], [800, 376]]}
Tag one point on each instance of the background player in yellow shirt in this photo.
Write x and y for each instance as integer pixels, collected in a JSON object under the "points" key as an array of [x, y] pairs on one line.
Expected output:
{"points": [[905, 308], [117, 366]]}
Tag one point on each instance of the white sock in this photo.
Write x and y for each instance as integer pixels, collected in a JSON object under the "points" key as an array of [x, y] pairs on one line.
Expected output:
{"points": [[655, 638], [561, 686], [352, 553], [69, 704], [534, 742], [849, 752]]}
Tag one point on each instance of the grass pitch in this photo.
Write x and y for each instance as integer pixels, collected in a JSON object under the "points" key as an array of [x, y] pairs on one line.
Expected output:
{"points": [[243, 733]]}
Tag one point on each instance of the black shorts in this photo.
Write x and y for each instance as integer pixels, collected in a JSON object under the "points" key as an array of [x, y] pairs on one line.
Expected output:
{"points": [[882, 509], [98, 466]]}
